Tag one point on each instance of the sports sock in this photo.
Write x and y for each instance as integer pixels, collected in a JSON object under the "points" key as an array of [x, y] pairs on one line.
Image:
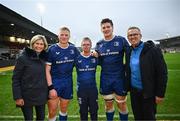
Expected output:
{"points": [[62, 116], [123, 116], [110, 116]]}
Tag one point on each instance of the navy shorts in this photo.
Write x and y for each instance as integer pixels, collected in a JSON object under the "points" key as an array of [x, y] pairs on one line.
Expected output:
{"points": [[112, 85], [64, 88]]}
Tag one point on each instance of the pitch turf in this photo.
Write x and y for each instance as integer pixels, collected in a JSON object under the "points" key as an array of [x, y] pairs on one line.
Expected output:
{"points": [[169, 110]]}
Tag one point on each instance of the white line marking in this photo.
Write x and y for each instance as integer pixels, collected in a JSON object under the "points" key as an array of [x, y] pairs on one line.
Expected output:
{"points": [[173, 69], [100, 116]]}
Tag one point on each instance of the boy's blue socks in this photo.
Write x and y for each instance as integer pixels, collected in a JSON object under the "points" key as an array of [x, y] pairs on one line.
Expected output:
{"points": [[110, 116], [123, 116]]}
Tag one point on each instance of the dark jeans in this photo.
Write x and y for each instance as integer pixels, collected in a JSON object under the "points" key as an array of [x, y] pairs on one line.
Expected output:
{"points": [[88, 103], [28, 112], [143, 108]]}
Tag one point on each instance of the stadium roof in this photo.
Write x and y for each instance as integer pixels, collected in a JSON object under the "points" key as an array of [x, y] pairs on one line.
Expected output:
{"points": [[13, 24], [169, 39], [170, 42]]}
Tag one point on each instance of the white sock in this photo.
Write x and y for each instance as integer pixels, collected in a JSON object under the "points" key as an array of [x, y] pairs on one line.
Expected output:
{"points": [[52, 119], [62, 114]]}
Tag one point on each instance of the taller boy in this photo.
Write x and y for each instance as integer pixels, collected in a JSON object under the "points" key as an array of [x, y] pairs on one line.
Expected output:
{"points": [[110, 51], [61, 57]]}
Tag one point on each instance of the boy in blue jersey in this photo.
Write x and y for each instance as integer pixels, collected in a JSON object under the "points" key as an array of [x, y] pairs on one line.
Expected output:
{"points": [[110, 51], [86, 82], [59, 67]]}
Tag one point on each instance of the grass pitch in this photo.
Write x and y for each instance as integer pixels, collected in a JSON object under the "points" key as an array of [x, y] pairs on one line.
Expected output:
{"points": [[168, 110]]}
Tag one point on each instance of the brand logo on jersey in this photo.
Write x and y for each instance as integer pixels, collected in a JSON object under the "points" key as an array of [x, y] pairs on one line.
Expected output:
{"points": [[79, 61], [87, 66], [71, 51], [57, 53], [65, 58], [116, 43], [100, 45], [108, 50], [93, 60]]}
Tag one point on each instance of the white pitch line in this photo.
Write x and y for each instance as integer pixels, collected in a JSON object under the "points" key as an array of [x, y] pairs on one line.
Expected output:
{"points": [[173, 69], [101, 116]]}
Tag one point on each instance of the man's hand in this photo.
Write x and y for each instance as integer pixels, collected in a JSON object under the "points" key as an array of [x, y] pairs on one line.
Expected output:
{"points": [[159, 100], [52, 94], [19, 102], [94, 53]]}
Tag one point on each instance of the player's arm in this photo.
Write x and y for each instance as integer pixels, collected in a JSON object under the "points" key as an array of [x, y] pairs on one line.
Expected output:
{"points": [[52, 91], [126, 49], [48, 74]]}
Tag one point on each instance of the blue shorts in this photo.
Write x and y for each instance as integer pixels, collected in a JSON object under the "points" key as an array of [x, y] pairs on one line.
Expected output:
{"points": [[64, 88], [109, 85]]}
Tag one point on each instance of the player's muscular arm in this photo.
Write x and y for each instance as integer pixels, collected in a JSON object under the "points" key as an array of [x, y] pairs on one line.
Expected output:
{"points": [[48, 75], [52, 91]]}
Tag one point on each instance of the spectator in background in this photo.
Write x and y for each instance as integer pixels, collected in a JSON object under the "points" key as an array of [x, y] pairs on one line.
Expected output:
{"points": [[146, 74], [29, 83]]}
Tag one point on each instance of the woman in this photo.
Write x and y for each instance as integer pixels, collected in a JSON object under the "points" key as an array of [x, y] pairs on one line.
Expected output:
{"points": [[29, 83]]}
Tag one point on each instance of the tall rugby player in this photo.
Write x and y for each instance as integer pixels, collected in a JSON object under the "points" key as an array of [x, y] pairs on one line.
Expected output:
{"points": [[59, 67], [111, 50]]}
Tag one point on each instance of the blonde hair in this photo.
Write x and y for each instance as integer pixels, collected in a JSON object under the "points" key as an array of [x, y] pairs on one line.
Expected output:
{"points": [[39, 37], [86, 39], [65, 29]]}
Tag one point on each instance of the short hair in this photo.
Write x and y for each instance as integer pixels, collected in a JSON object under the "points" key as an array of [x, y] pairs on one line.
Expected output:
{"points": [[86, 39], [107, 20], [64, 29], [134, 27], [36, 38]]}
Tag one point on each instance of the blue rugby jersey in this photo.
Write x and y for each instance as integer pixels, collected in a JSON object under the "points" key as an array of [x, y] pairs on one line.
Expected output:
{"points": [[111, 55], [86, 71], [62, 61]]}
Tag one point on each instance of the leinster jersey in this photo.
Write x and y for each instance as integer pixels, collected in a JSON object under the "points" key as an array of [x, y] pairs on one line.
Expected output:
{"points": [[86, 71], [111, 56], [62, 61]]}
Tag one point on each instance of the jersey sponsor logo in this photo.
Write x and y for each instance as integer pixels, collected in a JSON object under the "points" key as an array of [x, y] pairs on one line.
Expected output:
{"points": [[65, 61], [57, 53], [109, 53], [87, 69], [79, 61], [116, 44]]}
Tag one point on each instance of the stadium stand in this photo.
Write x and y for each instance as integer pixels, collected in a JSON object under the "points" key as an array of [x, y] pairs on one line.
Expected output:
{"points": [[15, 33], [171, 44]]}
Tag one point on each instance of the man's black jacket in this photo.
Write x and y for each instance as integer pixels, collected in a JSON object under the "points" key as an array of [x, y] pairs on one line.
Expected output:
{"points": [[153, 71]]}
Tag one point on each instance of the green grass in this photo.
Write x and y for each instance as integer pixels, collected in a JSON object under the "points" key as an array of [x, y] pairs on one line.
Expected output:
{"points": [[171, 104]]}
